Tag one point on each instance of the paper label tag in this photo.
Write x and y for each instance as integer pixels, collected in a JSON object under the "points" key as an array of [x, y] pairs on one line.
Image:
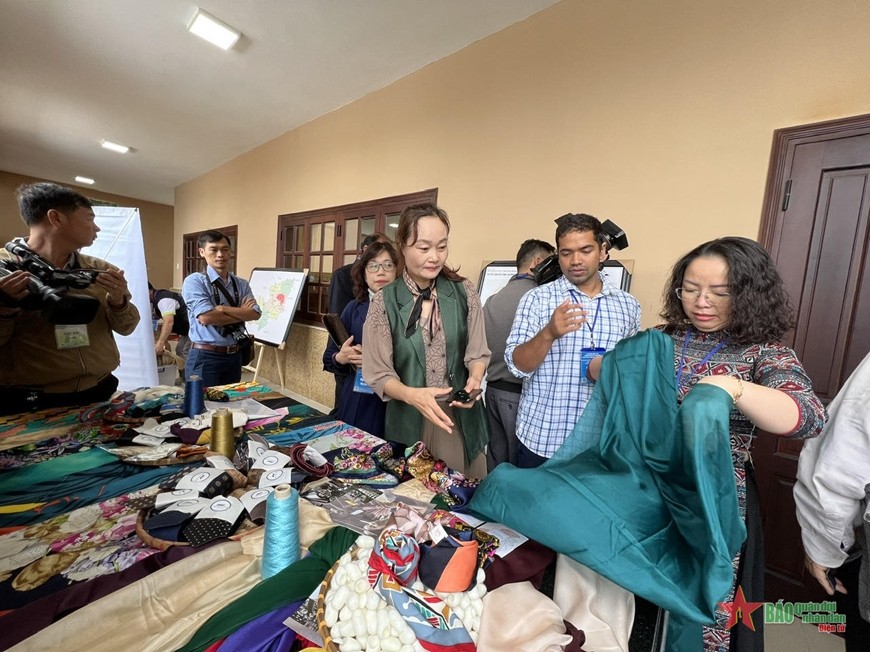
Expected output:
{"points": [[199, 479], [166, 498], [226, 508], [313, 456], [271, 460], [219, 462], [276, 477], [437, 532], [147, 440], [256, 449], [254, 497], [189, 505]]}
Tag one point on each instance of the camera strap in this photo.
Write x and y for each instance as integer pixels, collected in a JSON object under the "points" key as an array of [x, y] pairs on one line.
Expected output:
{"points": [[218, 286]]}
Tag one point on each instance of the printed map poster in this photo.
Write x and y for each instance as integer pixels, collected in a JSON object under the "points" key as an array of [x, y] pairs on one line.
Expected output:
{"points": [[277, 292]]}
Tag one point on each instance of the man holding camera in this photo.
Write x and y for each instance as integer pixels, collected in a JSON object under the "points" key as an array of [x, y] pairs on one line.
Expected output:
{"points": [[559, 335], [218, 305], [58, 307]]}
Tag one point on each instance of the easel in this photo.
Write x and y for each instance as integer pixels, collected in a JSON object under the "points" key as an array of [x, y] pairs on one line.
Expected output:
{"points": [[261, 348]]}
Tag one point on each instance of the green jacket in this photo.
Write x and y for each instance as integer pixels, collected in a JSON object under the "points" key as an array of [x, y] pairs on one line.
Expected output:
{"points": [[403, 422]]}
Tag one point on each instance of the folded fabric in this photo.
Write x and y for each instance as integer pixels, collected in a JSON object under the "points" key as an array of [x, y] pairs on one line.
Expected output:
{"points": [[540, 628], [602, 609], [208, 482], [390, 457], [169, 524], [449, 566], [456, 489], [392, 569], [219, 519], [255, 504]]}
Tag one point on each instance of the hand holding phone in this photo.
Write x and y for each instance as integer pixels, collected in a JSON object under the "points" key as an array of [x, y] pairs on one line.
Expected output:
{"points": [[461, 397]]}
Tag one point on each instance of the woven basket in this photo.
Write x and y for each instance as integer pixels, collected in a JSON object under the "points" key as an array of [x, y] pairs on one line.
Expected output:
{"points": [[322, 628], [147, 539]]}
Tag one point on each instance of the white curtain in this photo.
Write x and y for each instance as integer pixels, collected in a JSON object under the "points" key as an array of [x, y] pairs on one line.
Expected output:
{"points": [[120, 243]]}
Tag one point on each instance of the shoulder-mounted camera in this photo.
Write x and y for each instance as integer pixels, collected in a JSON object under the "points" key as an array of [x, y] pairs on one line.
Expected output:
{"points": [[49, 287]]}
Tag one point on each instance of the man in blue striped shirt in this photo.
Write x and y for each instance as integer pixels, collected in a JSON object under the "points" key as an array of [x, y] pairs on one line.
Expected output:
{"points": [[559, 334]]}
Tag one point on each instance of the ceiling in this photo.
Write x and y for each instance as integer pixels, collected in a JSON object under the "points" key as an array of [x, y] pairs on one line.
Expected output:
{"points": [[74, 72]]}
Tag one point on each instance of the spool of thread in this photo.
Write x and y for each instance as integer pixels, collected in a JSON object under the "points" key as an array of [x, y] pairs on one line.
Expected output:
{"points": [[223, 439], [281, 541], [194, 400]]}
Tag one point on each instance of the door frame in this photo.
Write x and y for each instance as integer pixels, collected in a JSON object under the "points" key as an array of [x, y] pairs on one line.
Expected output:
{"points": [[769, 459], [784, 141]]}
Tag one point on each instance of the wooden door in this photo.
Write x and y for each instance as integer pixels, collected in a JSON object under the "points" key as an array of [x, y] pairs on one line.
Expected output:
{"points": [[815, 226]]}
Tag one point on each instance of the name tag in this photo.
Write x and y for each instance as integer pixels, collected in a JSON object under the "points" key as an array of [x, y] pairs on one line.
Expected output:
{"points": [[359, 385], [71, 336]]}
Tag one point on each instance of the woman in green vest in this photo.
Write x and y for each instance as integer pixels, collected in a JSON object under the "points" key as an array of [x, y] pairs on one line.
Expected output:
{"points": [[425, 340]]}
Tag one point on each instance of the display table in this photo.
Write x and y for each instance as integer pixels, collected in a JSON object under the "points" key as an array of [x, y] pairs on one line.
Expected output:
{"points": [[73, 570]]}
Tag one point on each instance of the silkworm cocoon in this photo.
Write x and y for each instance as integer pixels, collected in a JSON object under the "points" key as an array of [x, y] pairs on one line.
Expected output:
{"points": [[391, 644], [406, 636], [374, 601], [330, 615], [351, 645], [359, 623], [361, 586]]}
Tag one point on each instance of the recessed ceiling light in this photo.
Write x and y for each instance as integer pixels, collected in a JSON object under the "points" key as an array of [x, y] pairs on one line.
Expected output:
{"points": [[213, 30], [86, 180], [115, 147]]}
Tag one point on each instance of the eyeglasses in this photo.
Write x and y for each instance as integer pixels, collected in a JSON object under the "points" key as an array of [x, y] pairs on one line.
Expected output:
{"points": [[387, 266], [713, 298]]}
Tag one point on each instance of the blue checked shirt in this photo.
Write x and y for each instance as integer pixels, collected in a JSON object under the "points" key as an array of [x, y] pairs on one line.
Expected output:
{"points": [[553, 395], [199, 297]]}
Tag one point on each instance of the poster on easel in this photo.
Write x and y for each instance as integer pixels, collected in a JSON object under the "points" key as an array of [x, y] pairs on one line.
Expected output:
{"points": [[277, 292]]}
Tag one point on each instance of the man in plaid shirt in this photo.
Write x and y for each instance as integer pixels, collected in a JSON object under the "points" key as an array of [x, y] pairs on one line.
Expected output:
{"points": [[559, 334]]}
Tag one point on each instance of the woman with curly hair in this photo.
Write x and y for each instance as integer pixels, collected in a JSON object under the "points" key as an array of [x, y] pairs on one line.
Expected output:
{"points": [[727, 310]]}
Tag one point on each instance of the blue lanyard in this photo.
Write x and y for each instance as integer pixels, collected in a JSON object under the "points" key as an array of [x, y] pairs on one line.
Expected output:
{"points": [[704, 360], [594, 317], [517, 277]]}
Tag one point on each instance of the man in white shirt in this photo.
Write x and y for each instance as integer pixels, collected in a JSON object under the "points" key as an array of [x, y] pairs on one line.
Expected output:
{"points": [[831, 497]]}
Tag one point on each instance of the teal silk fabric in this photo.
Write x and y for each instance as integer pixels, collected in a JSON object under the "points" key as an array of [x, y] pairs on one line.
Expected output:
{"points": [[642, 491]]}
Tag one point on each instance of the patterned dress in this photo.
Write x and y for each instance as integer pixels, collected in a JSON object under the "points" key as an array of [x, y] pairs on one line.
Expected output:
{"points": [[769, 364]]}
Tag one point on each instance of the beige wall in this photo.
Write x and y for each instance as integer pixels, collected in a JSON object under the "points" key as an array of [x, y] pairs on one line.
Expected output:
{"points": [[657, 115], [157, 223]]}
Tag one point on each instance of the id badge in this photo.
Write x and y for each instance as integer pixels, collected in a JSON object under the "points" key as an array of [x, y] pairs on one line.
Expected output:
{"points": [[359, 385], [586, 355], [71, 336]]}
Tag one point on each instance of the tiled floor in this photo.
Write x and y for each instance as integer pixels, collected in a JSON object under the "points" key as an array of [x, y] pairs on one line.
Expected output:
{"points": [[799, 637]]}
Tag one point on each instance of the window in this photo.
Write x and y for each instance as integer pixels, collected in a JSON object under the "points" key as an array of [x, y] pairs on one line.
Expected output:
{"points": [[191, 260], [325, 239]]}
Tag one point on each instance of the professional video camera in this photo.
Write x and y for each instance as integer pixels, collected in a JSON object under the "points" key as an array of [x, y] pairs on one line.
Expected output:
{"points": [[49, 287], [548, 270]]}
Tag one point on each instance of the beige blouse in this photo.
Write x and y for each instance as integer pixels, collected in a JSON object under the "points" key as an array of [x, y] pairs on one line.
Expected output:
{"points": [[378, 350]]}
